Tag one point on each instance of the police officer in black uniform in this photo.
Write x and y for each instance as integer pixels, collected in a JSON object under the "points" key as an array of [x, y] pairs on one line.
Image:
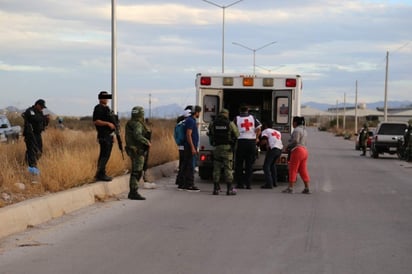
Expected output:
{"points": [[34, 123], [103, 120]]}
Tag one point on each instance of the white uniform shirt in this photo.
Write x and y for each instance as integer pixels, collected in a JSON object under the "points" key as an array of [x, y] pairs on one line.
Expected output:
{"points": [[246, 126], [274, 138]]}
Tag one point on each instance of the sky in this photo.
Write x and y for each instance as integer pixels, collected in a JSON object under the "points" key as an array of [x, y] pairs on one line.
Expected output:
{"points": [[60, 51]]}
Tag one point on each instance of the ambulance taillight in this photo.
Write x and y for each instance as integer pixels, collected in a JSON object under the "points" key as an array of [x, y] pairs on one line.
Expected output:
{"points": [[290, 83], [205, 81]]}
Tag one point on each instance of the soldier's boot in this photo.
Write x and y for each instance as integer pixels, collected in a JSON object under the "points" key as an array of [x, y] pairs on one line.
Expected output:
{"points": [[133, 185], [216, 189], [135, 196], [230, 191]]}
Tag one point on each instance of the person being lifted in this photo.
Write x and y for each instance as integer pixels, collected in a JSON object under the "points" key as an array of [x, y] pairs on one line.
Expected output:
{"points": [[223, 135]]}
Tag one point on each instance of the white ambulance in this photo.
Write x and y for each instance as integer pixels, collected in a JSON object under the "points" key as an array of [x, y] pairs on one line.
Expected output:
{"points": [[270, 98]]}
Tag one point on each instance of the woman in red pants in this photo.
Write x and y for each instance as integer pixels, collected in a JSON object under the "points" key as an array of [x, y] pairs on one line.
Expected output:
{"points": [[298, 155]]}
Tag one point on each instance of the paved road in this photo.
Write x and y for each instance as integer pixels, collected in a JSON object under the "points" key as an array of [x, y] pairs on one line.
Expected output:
{"points": [[358, 220]]}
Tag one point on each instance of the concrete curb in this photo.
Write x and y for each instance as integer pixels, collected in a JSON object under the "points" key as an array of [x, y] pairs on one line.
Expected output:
{"points": [[18, 217]]}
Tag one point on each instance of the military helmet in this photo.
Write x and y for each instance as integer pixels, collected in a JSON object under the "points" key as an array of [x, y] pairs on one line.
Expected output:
{"points": [[137, 111], [224, 112]]}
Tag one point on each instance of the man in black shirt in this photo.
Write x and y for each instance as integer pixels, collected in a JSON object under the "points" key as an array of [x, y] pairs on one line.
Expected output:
{"points": [[105, 127], [34, 124]]}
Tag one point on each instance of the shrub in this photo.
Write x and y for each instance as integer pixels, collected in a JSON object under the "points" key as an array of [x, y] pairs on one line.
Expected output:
{"points": [[70, 156]]}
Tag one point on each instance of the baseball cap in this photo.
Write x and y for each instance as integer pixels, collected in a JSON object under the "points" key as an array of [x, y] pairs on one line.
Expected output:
{"points": [[187, 113], [41, 103]]}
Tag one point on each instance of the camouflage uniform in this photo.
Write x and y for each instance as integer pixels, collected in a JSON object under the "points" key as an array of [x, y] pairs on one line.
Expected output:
{"points": [[223, 135], [363, 139], [136, 147]]}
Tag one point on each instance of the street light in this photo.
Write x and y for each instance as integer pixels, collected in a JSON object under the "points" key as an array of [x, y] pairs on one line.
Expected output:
{"points": [[223, 27], [271, 70], [254, 51]]}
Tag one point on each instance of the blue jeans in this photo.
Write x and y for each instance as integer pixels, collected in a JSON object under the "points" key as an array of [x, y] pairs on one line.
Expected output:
{"points": [[269, 167]]}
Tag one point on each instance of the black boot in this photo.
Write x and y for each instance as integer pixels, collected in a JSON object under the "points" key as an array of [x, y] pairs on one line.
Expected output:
{"points": [[134, 195], [230, 190], [216, 189]]}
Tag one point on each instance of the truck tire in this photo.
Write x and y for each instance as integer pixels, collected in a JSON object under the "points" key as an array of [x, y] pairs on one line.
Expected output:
{"points": [[205, 173]]}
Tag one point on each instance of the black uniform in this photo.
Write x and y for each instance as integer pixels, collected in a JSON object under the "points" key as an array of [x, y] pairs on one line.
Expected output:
{"points": [[34, 124], [105, 138]]}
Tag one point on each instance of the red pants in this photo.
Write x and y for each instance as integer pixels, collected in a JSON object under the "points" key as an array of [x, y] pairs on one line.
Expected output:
{"points": [[297, 164]]}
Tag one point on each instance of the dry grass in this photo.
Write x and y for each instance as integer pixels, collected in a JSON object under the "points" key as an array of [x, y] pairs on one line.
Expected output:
{"points": [[69, 159]]}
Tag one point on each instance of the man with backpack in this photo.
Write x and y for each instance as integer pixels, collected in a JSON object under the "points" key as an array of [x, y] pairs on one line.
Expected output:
{"points": [[179, 136], [190, 150], [223, 135]]}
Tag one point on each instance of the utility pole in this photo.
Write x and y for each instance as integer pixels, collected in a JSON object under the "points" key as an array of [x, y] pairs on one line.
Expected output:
{"points": [[385, 104], [150, 105], [356, 106], [337, 114], [223, 7], [344, 111], [114, 69], [254, 51]]}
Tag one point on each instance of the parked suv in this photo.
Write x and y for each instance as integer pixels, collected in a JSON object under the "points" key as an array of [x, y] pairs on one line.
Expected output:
{"points": [[386, 138], [8, 133]]}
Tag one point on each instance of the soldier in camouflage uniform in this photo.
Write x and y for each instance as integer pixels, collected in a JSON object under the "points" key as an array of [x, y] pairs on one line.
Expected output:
{"points": [[363, 139], [223, 135], [136, 146]]}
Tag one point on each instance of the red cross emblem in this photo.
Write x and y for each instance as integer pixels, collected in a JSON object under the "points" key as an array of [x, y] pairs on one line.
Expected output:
{"points": [[246, 124], [276, 135]]}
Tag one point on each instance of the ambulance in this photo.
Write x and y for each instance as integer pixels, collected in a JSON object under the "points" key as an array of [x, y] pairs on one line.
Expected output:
{"points": [[270, 98]]}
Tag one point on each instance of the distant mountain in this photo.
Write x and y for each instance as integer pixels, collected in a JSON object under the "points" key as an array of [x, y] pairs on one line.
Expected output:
{"points": [[165, 111], [12, 109], [320, 106], [391, 104]]}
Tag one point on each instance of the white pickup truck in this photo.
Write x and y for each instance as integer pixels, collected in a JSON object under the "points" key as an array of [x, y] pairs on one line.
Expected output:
{"points": [[8, 133], [386, 138]]}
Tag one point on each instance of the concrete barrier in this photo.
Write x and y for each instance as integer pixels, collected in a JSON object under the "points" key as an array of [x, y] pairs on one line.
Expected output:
{"points": [[18, 217]]}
